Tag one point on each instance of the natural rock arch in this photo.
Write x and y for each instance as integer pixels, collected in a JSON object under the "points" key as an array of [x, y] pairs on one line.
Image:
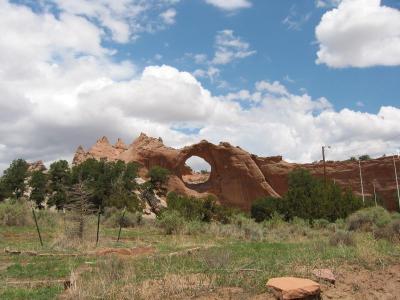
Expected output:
{"points": [[196, 179], [238, 177]]}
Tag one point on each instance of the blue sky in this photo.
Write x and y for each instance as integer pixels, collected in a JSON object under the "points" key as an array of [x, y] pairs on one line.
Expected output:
{"points": [[277, 77], [282, 52]]}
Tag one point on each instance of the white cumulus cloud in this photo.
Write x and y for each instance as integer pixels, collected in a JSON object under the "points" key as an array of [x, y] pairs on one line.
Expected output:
{"points": [[230, 5], [359, 33], [61, 87]]}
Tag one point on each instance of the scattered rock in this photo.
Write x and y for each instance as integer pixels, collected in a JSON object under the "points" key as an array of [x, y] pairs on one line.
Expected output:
{"points": [[325, 274], [285, 288]]}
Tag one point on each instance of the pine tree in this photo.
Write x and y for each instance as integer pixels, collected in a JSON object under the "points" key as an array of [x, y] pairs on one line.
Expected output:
{"points": [[38, 183], [14, 178]]}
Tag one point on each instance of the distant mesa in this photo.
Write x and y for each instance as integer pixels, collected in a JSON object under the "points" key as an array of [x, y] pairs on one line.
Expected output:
{"points": [[237, 177]]}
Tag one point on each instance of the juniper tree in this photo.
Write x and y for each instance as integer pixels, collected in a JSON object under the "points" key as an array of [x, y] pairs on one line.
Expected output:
{"points": [[79, 208]]}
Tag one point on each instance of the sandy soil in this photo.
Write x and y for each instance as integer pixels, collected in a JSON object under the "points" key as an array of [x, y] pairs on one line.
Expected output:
{"points": [[352, 283]]}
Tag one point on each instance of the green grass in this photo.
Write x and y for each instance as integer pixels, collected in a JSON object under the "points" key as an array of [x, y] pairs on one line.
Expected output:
{"points": [[42, 293], [41, 267], [227, 258]]}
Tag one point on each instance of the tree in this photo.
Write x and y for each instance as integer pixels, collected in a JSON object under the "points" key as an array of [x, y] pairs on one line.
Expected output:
{"points": [[158, 176], [364, 157], [60, 180], [107, 178], [309, 198], [14, 178], [80, 208], [38, 183], [120, 197], [3, 190]]}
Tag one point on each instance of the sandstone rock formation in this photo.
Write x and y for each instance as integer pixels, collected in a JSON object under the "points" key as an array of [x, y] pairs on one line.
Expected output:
{"points": [[237, 177], [36, 166], [101, 150]]}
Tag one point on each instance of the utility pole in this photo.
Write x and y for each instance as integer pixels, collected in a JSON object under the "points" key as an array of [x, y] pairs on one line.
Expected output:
{"points": [[361, 180], [397, 180], [323, 158], [376, 204]]}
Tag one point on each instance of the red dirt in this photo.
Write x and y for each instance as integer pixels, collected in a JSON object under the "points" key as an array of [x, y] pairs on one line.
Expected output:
{"points": [[126, 251]]}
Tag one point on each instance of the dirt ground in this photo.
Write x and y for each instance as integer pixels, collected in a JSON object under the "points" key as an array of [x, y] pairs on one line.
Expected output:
{"points": [[352, 283]]}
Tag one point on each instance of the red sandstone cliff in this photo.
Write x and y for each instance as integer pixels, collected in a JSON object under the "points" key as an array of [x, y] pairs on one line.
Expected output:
{"points": [[238, 178]]}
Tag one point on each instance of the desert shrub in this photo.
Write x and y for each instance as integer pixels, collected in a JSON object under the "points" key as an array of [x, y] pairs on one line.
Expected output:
{"points": [[48, 218], [341, 237], [275, 221], [395, 216], [339, 224], [114, 217], [202, 209], [248, 228], [321, 223], [170, 221], [263, 209], [390, 232], [15, 213], [241, 227], [195, 227], [368, 218], [190, 208], [298, 226]]}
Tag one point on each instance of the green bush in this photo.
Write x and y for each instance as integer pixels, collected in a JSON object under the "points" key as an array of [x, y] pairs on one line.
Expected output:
{"points": [[249, 228], [201, 209], [275, 221], [390, 232], [15, 213], [341, 237], [368, 218], [170, 221], [321, 223], [195, 227], [263, 209], [114, 217], [48, 218], [308, 198]]}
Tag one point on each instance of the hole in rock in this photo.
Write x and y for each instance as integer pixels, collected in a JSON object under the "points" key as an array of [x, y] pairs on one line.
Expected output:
{"points": [[196, 171]]}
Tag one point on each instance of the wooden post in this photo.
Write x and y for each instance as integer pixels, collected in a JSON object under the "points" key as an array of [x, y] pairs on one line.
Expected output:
{"points": [[397, 181], [37, 226], [323, 158], [361, 181], [120, 224], [98, 227], [376, 204]]}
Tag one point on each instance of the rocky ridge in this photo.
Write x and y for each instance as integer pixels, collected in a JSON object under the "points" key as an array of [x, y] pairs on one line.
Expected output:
{"points": [[237, 177]]}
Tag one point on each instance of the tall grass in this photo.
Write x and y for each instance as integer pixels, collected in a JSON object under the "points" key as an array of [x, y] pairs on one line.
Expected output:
{"points": [[15, 213]]}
